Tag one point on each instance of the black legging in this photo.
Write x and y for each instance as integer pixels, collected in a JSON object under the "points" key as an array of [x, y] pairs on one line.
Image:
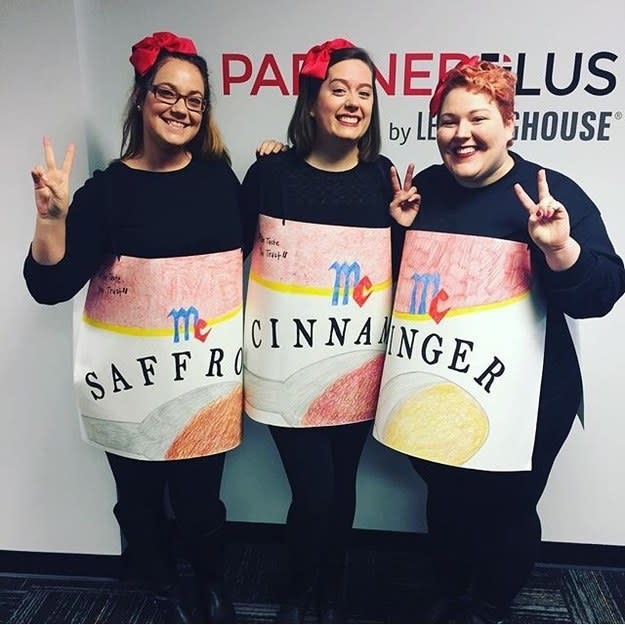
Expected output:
{"points": [[321, 465], [194, 487], [483, 526]]}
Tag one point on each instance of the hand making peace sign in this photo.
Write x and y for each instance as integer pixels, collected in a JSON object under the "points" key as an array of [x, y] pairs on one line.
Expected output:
{"points": [[406, 200], [52, 183], [548, 225], [548, 222]]}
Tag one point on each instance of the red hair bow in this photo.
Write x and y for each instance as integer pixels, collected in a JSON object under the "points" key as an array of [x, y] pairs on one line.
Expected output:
{"points": [[317, 58], [437, 97], [145, 53]]}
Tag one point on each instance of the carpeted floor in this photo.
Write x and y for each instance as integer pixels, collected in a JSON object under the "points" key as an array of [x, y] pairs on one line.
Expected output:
{"points": [[385, 586]]}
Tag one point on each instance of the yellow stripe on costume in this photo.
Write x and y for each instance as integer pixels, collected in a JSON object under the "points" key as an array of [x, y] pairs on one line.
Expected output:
{"points": [[310, 290], [138, 331], [464, 310]]}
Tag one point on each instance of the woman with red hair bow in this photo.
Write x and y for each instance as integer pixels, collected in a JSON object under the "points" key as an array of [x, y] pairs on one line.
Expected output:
{"points": [[317, 217], [501, 250], [159, 287]]}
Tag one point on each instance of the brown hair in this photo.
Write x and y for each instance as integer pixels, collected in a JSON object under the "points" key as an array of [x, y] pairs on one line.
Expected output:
{"points": [[207, 143], [303, 128]]}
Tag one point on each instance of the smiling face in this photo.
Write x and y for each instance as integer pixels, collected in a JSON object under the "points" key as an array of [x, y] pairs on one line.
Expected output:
{"points": [[342, 110], [169, 127], [473, 138]]}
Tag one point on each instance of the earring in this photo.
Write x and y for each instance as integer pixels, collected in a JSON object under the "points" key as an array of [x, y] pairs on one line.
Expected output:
{"points": [[138, 107]]}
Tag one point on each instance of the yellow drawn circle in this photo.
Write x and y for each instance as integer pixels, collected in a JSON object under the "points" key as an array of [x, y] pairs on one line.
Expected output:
{"points": [[440, 422]]}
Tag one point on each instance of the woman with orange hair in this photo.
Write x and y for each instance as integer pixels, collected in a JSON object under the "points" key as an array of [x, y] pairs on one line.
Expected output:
{"points": [[500, 251]]}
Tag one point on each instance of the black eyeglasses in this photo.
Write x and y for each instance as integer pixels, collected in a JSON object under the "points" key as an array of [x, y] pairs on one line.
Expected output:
{"points": [[168, 95]]}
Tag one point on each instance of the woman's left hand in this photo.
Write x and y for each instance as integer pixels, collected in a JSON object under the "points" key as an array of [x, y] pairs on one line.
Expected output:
{"points": [[406, 199], [548, 225]]}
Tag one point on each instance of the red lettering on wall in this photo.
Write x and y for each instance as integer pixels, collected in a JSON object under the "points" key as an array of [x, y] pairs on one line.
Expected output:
{"points": [[262, 80], [389, 86], [406, 74], [296, 64], [410, 73], [230, 79], [443, 62]]}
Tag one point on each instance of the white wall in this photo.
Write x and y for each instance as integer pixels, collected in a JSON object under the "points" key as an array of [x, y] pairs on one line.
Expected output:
{"points": [[56, 491], [60, 490]]}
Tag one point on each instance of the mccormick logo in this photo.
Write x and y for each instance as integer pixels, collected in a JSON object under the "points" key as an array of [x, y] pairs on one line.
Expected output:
{"points": [[427, 286], [347, 278], [189, 319]]}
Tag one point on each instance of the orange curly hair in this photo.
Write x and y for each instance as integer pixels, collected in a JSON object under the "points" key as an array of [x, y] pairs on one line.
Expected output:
{"points": [[485, 77]]}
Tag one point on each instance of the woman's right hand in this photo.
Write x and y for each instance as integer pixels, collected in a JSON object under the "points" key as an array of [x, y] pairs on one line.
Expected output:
{"points": [[52, 183]]}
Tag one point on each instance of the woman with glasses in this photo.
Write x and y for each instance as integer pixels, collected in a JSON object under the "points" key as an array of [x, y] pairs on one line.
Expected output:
{"points": [[158, 360]]}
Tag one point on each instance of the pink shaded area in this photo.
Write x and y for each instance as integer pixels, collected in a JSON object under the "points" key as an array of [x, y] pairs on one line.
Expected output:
{"points": [[312, 248], [140, 292], [351, 398], [473, 270]]}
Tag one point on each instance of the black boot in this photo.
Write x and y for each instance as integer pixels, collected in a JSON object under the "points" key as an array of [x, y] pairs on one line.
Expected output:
{"points": [[484, 612], [447, 610], [205, 549], [158, 576], [148, 559], [214, 603], [296, 606], [148, 555], [290, 612], [332, 611], [332, 604], [176, 605], [332, 594]]}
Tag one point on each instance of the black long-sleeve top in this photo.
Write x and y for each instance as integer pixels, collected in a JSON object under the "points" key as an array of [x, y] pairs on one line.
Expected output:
{"points": [[130, 212], [284, 186]]}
